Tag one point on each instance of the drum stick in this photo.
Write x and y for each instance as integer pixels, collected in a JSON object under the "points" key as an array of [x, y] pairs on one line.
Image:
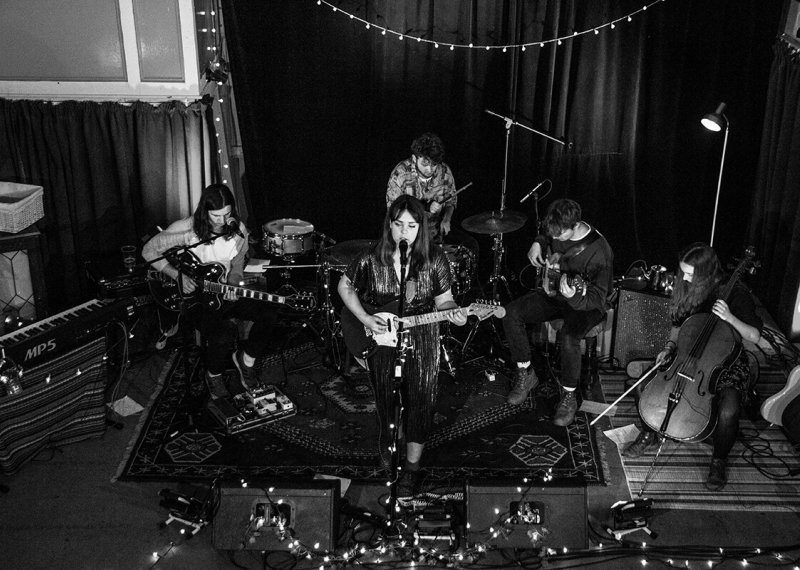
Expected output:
{"points": [[625, 393], [464, 187]]}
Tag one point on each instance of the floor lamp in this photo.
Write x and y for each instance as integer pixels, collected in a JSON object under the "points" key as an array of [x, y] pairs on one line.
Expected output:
{"points": [[714, 122]]}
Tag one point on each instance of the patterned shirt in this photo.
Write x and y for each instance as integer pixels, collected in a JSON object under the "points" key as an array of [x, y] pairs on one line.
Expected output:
{"points": [[405, 179]]}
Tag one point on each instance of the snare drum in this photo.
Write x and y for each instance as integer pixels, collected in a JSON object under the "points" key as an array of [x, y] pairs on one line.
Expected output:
{"points": [[462, 267], [288, 237]]}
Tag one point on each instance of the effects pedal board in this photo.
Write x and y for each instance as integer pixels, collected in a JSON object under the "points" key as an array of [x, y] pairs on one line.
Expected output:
{"points": [[251, 409]]}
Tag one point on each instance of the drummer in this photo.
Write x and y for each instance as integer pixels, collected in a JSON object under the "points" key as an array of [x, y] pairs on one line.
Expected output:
{"points": [[426, 176], [577, 249]]}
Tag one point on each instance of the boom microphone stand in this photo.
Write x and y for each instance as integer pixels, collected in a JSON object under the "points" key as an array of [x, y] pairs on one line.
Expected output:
{"points": [[499, 249]]}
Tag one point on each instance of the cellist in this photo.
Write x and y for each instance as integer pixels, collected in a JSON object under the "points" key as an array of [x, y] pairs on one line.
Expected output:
{"points": [[697, 287]]}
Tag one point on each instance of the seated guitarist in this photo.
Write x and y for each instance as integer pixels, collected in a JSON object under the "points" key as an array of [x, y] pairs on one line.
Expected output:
{"points": [[372, 281], [697, 287], [581, 251], [215, 223]]}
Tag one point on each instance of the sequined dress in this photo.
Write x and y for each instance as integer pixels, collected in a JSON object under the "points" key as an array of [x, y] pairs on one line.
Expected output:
{"points": [[378, 285]]}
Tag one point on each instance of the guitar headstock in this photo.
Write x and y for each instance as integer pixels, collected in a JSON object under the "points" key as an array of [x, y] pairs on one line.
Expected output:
{"points": [[748, 263], [484, 309], [302, 301]]}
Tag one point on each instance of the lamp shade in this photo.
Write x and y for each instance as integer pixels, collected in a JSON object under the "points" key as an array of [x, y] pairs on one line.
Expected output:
{"points": [[716, 120]]}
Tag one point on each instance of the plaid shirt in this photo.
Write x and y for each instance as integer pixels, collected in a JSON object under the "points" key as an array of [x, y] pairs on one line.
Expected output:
{"points": [[405, 179]]}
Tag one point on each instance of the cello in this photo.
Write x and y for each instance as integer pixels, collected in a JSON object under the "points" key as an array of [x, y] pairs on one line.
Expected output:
{"points": [[678, 402]]}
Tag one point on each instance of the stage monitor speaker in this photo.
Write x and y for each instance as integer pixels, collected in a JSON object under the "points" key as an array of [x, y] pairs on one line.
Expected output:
{"points": [[641, 326], [535, 517], [270, 515]]}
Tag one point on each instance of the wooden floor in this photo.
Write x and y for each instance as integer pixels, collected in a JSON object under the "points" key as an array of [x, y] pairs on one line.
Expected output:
{"points": [[63, 512]]}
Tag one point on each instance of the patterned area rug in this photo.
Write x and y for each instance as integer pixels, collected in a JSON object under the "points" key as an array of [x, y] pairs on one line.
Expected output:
{"points": [[334, 431], [758, 465]]}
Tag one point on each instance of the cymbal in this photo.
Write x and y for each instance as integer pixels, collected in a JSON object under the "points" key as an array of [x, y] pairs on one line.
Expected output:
{"points": [[494, 222], [344, 252]]}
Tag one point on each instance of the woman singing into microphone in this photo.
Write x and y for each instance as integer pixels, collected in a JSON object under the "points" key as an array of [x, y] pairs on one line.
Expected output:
{"points": [[372, 280]]}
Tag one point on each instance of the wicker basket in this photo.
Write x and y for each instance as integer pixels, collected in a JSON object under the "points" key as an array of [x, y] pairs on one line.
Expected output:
{"points": [[20, 206]]}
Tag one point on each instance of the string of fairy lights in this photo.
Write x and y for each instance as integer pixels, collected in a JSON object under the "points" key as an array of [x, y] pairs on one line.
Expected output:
{"points": [[216, 76], [404, 550], [559, 40]]}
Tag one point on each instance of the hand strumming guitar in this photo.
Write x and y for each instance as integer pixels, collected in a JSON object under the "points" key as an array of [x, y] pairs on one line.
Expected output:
{"points": [[567, 290]]}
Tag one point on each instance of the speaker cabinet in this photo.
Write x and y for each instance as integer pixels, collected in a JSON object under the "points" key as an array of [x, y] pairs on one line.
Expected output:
{"points": [[268, 516], [641, 326], [534, 517]]}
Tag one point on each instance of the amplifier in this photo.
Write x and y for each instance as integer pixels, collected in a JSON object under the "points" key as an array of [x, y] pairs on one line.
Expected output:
{"points": [[272, 515], [529, 517], [111, 279], [641, 326]]}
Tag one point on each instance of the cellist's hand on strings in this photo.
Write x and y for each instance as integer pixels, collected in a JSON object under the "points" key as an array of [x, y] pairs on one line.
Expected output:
{"points": [[722, 310]]}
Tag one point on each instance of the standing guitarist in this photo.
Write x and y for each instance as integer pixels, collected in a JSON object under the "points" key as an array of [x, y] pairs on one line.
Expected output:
{"points": [[373, 280], [222, 239], [584, 260]]}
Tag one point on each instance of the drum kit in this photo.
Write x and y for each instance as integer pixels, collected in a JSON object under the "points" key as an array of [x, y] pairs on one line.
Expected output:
{"points": [[306, 259], [291, 242]]}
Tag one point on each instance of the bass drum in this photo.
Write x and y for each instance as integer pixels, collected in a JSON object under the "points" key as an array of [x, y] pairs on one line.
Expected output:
{"points": [[288, 237]]}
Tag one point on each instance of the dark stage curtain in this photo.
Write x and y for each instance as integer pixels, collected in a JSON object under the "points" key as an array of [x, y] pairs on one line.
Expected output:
{"points": [[328, 107], [775, 222], [110, 172]]}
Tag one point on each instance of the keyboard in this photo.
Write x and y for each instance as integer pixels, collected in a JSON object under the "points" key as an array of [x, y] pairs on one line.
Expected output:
{"points": [[53, 336]]}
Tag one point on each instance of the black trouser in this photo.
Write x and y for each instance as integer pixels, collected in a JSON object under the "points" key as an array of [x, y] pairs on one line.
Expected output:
{"points": [[538, 307], [219, 333]]}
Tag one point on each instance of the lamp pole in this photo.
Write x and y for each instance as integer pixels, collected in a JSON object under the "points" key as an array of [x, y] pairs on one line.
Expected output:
{"points": [[719, 181]]}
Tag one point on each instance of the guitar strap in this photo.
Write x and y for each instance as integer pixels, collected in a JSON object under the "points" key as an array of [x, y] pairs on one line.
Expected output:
{"points": [[576, 250]]}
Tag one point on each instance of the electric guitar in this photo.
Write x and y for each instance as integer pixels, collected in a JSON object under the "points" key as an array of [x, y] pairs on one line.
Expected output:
{"points": [[361, 341], [774, 408], [551, 278], [211, 290]]}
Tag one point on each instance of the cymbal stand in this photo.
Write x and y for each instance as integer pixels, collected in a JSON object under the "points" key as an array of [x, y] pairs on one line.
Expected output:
{"points": [[331, 326]]}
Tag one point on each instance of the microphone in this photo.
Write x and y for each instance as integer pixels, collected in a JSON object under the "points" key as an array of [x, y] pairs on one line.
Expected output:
{"points": [[233, 228], [529, 194], [403, 245]]}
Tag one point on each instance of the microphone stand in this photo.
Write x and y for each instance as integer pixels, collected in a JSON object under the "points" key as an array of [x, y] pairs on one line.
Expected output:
{"points": [[401, 350], [497, 246]]}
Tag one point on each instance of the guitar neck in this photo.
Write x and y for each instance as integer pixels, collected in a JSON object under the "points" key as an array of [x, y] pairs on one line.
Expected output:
{"points": [[426, 318], [215, 287]]}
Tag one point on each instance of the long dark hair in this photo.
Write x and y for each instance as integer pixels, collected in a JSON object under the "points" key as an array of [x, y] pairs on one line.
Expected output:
{"points": [[688, 297], [214, 197], [420, 251]]}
